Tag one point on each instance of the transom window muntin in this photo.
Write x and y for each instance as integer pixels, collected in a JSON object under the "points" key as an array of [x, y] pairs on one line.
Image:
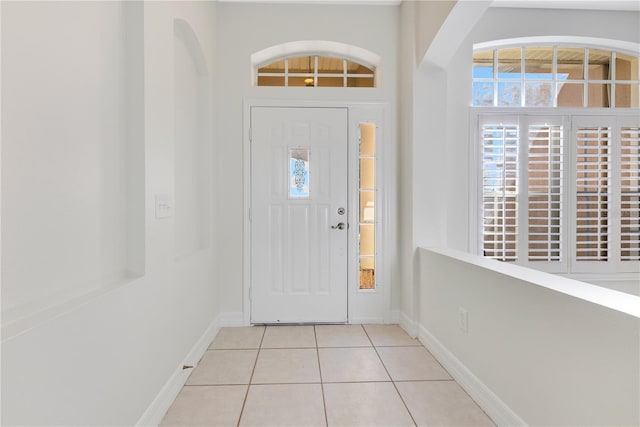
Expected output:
{"points": [[315, 71], [555, 76]]}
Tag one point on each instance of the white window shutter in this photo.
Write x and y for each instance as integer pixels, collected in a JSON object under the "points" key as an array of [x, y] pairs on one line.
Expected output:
{"points": [[545, 192], [593, 187], [629, 194], [499, 148]]}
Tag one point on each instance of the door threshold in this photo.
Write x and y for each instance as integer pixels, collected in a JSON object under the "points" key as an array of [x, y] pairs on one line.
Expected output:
{"points": [[297, 323]]}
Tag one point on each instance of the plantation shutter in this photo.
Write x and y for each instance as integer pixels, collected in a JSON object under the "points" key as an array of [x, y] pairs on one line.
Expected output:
{"points": [[592, 185], [545, 192], [629, 194], [499, 147], [561, 193]]}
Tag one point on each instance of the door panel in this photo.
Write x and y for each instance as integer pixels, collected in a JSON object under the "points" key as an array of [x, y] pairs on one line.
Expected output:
{"points": [[298, 182]]}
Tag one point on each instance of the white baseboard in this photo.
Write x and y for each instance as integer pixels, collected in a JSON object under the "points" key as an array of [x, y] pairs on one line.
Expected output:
{"points": [[366, 321], [158, 408], [408, 324], [232, 318], [499, 412]]}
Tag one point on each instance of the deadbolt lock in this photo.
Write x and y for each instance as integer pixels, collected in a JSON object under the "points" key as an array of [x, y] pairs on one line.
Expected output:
{"points": [[341, 211]]}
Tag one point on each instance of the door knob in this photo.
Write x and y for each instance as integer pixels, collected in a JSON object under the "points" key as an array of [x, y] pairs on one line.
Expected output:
{"points": [[340, 226]]}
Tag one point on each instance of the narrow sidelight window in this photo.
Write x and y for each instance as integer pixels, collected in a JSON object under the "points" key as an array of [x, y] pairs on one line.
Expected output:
{"points": [[367, 203]]}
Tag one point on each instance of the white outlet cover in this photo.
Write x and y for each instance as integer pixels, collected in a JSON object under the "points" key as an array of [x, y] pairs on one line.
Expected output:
{"points": [[463, 320], [164, 205]]}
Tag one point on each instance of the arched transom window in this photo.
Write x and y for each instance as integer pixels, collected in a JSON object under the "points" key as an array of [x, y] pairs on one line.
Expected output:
{"points": [[315, 71], [555, 76]]}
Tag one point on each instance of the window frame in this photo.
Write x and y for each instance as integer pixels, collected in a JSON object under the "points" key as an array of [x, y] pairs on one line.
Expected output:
{"points": [[314, 72], [619, 118], [611, 82]]}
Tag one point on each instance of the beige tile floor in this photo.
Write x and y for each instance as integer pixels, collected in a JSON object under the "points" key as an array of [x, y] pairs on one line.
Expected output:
{"points": [[324, 375]]}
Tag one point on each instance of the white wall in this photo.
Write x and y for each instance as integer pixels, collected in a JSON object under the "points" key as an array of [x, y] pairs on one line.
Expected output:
{"points": [[88, 88], [422, 148], [430, 15], [65, 210], [373, 28], [407, 71], [532, 355], [192, 146]]}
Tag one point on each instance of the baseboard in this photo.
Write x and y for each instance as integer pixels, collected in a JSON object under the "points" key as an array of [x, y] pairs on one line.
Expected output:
{"points": [[232, 318], [158, 408], [408, 324], [499, 412], [366, 320]]}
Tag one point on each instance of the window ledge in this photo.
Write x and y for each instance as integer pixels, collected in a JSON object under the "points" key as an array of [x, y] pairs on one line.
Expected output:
{"points": [[615, 300]]}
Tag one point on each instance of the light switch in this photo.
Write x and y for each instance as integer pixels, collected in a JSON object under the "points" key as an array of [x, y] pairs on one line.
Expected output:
{"points": [[164, 205]]}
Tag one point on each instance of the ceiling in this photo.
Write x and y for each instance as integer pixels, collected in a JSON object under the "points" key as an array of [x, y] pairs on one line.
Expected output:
{"points": [[630, 5]]}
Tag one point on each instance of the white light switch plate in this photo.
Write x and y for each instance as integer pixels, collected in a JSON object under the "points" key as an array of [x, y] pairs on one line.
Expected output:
{"points": [[463, 320], [164, 205]]}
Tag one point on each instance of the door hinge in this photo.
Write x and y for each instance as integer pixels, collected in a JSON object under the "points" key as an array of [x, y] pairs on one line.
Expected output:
{"points": [[250, 134]]}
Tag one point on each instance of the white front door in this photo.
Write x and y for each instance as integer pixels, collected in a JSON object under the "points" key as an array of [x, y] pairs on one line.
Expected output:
{"points": [[298, 201]]}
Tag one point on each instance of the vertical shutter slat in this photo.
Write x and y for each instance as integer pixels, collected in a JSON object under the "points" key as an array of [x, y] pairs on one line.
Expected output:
{"points": [[544, 192], [629, 194], [499, 191], [593, 166]]}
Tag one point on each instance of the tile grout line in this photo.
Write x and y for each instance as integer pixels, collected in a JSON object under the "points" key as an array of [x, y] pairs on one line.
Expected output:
{"points": [[323, 382], [324, 403], [246, 395], [391, 378], [289, 348]]}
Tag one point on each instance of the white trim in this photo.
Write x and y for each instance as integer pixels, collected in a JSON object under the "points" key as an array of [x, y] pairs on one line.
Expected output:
{"points": [[357, 110], [366, 320], [497, 410], [246, 209], [409, 325], [629, 5], [608, 44], [316, 47], [168, 393], [394, 317], [323, 2], [231, 318], [615, 300], [375, 303]]}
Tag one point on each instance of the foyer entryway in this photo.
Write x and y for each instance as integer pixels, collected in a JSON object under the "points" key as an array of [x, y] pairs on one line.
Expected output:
{"points": [[323, 375]]}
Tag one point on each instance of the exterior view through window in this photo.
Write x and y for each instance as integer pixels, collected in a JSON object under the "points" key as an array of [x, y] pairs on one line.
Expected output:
{"points": [[367, 199], [559, 190], [555, 76], [315, 71]]}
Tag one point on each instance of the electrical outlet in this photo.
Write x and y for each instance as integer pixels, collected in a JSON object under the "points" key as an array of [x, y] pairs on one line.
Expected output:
{"points": [[164, 206], [463, 320]]}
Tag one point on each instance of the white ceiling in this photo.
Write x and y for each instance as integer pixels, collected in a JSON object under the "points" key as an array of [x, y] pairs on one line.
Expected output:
{"points": [[631, 5]]}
